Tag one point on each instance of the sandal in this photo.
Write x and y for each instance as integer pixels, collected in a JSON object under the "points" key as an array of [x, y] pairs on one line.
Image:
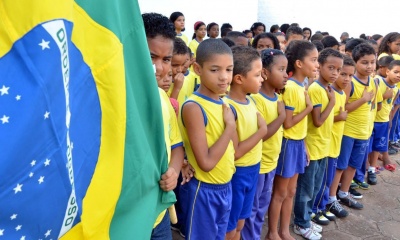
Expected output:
{"points": [[378, 169], [391, 167]]}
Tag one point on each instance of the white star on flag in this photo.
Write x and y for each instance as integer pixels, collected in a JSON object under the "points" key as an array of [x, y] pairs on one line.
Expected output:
{"points": [[18, 97], [46, 115], [14, 216], [18, 188], [47, 162], [31, 174], [47, 233], [41, 179], [18, 227], [4, 119], [33, 163], [1, 232], [4, 90], [22, 238], [44, 44]]}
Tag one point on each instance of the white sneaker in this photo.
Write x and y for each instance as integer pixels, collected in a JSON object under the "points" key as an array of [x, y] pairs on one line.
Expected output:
{"points": [[307, 233], [316, 227]]}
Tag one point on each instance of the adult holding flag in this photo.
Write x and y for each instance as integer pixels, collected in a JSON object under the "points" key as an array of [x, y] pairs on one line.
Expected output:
{"points": [[81, 134]]}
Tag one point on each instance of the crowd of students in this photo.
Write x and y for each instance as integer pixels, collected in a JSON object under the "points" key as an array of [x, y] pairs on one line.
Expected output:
{"points": [[270, 123]]}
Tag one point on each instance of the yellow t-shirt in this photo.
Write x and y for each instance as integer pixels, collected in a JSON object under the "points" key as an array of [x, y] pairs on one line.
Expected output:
{"points": [[357, 124], [387, 104], [395, 56], [172, 134], [246, 126], [374, 105], [191, 83], [183, 37], [338, 127], [318, 139], [295, 100], [268, 107], [193, 46], [214, 127]]}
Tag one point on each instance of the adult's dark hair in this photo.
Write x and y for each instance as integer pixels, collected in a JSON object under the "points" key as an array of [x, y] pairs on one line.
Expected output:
{"points": [[210, 47], [271, 36], [175, 16], [156, 24]]}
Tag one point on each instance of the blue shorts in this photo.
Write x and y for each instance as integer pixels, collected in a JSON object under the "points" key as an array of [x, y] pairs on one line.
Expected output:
{"points": [[292, 158], [352, 153], [370, 142], [380, 134], [206, 208], [244, 186]]}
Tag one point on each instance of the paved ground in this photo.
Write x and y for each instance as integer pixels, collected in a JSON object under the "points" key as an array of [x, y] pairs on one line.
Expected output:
{"points": [[380, 218]]}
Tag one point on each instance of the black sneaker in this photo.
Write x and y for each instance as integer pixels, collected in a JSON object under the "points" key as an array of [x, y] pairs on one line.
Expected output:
{"points": [[355, 194], [362, 185], [320, 219], [350, 202], [392, 150], [329, 215], [337, 209], [353, 185], [371, 178]]}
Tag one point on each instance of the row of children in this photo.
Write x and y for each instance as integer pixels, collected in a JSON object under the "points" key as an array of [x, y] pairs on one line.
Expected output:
{"points": [[268, 140]]}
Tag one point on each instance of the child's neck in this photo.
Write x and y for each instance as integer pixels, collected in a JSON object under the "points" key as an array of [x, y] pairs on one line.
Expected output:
{"points": [[199, 39], [335, 86], [323, 82], [207, 92], [268, 90], [389, 82], [298, 76], [362, 78], [237, 94], [178, 31]]}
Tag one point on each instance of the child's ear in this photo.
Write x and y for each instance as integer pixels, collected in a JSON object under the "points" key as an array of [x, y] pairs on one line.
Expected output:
{"points": [[197, 68], [298, 63], [387, 72], [237, 79], [265, 74]]}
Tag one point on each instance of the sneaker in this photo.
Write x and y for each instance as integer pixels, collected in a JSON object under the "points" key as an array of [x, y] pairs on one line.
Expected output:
{"points": [[355, 194], [319, 218], [353, 185], [392, 150], [316, 227], [396, 145], [362, 185], [179, 228], [330, 216], [307, 233], [350, 202], [371, 178], [337, 209]]}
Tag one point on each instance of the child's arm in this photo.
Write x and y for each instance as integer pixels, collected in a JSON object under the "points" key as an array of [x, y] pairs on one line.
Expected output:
{"points": [[319, 117], [206, 157], [291, 120], [341, 116], [388, 93], [169, 179], [178, 83], [366, 97], [241, 148], [277, 123]]}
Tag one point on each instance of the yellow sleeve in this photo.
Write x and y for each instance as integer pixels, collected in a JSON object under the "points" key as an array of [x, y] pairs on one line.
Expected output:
{"points": [[315, 96], [174, 132], [289, 98]]}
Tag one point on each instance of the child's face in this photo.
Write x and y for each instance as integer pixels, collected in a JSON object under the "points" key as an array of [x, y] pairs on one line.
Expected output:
{"points": [[180, 23], [282, 42], [345, 76], [178, 63], [201, 32], [277, 77], [214, 31], [252, 81], [309, 65], [249, 35], [382, 71], [294, 37], [258, 30], [242, 41], [216, 73], [187, 64], [330, 70], [365, 65], [165, 82], [306, 34], [395, 46], [161, 54], [341, 49], [393, 75], [264, 43]]}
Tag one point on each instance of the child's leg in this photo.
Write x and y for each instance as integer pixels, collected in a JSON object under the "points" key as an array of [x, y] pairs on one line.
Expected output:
{"points": [[163, 230], [287, 207], [279, 194], [253, 224], [319, 203]]}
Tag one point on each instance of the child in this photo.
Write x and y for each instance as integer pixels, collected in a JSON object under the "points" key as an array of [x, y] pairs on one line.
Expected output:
{"points": [[281, 38], [257, 28], [330, 42], [160, 37], [178, 19], [208, 127], [320, 123], [390, 46], [356, 130], [198, 36], [340, 115], [238, 38], [293, 33], [381, 125], [251, 128], [265, 40], [249, 34], [271, 107], [179, 58], [212, 30], [302, 62]]}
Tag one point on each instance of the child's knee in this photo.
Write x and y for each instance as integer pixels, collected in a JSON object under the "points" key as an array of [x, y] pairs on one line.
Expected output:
{"points": [[291, 192]]}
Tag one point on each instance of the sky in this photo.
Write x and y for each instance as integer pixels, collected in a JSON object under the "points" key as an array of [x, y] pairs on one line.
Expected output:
{"points": [[335, 17]]}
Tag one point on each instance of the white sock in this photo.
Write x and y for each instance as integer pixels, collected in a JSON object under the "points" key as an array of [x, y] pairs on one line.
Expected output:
{"points": [[343, 194], [332, 199], [371, 169]]}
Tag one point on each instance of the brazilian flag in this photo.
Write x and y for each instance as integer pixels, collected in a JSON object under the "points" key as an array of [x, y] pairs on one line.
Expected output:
{"points": [[81, 133]]}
